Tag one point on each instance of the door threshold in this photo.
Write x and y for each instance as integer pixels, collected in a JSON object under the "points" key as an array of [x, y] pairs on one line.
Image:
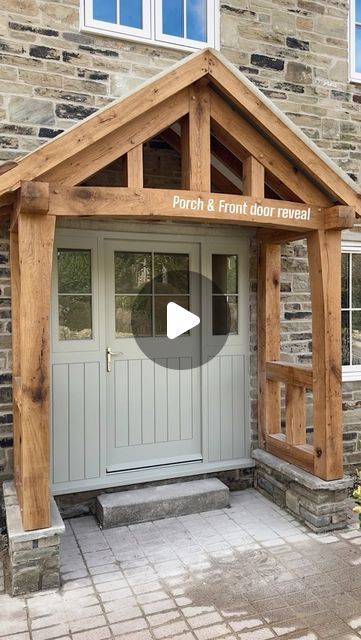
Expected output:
{"points": [[157, 465]]}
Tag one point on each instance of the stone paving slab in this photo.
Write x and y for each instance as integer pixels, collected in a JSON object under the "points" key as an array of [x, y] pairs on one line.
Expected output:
{"points": [[250, 572]]}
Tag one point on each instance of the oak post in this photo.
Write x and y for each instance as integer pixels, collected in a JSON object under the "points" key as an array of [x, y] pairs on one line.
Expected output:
{"points": [[36, 239], [295, 414], [324, 255], [199, 135], [16, 371], [268, 316], [134, 167], [184, 150]]}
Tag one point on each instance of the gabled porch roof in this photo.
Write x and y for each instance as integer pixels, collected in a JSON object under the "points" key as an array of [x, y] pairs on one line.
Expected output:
{"points": [[296, 162]]}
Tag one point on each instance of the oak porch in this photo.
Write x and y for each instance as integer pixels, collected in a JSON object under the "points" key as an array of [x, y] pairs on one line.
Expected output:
{"points": [[189, 94]]}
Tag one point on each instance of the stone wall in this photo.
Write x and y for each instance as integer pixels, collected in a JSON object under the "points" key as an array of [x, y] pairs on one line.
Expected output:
{"points": [[320, 504], [295, 51]]}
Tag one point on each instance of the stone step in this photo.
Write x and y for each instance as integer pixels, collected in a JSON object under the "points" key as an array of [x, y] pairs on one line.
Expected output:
{"points": [[164, 501]]}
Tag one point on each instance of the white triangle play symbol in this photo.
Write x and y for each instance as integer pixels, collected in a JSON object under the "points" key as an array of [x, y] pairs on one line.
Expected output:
{"points": [[179, 320]]}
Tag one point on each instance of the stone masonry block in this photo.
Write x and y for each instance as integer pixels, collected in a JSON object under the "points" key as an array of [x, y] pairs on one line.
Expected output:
{"points": [[292, 502], [318, 523], [321, 505], [33, 560]]}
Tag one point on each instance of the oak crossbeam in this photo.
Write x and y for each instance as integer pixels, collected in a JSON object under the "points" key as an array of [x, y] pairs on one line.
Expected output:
{"points": [[167, 204], [288, 373], [300, 455]]}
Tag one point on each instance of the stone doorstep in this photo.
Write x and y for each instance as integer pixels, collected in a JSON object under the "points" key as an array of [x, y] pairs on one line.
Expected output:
{"points": [[164, 501]]}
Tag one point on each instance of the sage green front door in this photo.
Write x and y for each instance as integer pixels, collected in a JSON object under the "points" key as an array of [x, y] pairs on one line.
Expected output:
{"points": [[153, 401]]}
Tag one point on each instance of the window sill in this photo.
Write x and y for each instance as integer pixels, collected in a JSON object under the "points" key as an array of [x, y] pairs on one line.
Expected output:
{"points": [[351, 376], [355, 79], [146, 41]]}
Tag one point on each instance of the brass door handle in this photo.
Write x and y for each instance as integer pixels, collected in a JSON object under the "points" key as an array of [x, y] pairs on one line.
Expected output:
{"points": [[109, 355]]}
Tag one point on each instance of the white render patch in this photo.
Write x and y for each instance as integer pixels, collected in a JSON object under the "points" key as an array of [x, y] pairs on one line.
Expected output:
{"points": [[16, 532]]}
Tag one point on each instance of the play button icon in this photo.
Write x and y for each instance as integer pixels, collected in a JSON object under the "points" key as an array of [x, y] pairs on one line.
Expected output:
{"points": [[179, 320], [172, 305]]}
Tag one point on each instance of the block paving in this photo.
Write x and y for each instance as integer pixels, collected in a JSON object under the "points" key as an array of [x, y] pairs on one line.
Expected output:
{"points": [[250, 572]]}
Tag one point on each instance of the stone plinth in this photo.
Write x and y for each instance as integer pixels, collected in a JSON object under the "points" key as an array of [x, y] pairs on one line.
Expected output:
{"points": [[322, 506], [33, 555]]}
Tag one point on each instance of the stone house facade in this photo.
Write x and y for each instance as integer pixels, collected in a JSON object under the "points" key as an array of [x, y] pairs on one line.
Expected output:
{"points": [[296, 51]]}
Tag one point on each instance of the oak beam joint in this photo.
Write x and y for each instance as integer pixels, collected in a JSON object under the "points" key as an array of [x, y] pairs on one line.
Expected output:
{"points": [[339, 217], [34, 197]]}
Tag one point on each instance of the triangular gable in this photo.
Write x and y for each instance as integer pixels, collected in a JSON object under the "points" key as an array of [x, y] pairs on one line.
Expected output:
{"points": [[166, 92]]}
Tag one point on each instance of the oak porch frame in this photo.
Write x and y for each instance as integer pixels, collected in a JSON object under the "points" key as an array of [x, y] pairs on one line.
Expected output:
{"points": [[260, 148], [32, 239]]}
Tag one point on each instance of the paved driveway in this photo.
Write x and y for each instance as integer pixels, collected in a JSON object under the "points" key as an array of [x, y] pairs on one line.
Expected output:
{"points": [[250, 572]]}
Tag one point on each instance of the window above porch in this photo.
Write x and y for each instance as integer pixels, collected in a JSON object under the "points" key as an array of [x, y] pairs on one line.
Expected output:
{"points": [[180, 24]]}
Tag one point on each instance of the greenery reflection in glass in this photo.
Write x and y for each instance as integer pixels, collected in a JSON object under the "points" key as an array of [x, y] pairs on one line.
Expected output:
{"points": [[356, 337], [356, 280], [345, 337], [75, 294], [133, 316], [345, 280], [74, 271], [224, 306], [351, 308], [224, 273], [75, 317], [132, 271], [171, 273]]}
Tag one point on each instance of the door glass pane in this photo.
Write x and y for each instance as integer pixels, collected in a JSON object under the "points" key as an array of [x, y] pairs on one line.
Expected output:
{"points": [[345, 337], [356, 280], [224, 273], [74, 271], [105, 10], [225, 315], [74, 294], [132, 271], [75, 317], [173, 18], [133, 316], [356, 337], [358, 50], [131, 13], [171, 272], [358, 10], [345, 281], [161, 311], [197, 20]]}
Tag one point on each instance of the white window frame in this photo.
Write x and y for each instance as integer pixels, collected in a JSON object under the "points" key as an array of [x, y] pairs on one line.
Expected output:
{"points": [[352, 371], [354, 75], [176, 40], [107, 28], [152, 27]]}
